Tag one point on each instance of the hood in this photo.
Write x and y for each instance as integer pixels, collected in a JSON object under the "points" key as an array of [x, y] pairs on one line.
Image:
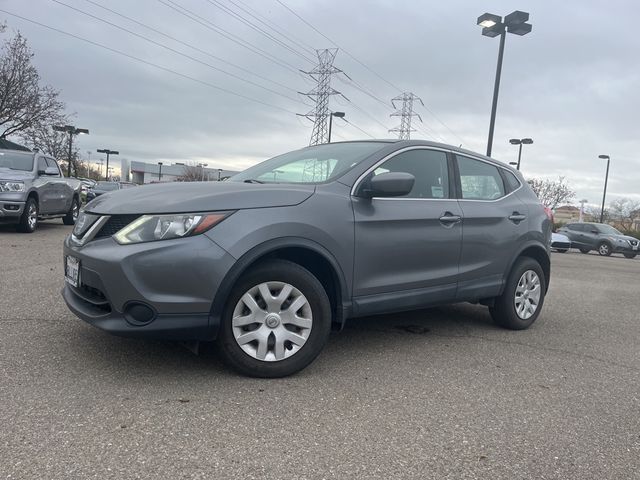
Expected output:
{"points": [[183, 197], [8, 174]]}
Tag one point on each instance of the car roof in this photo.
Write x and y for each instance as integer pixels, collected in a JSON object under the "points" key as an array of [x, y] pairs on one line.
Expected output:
{"points": [[429, 143]]}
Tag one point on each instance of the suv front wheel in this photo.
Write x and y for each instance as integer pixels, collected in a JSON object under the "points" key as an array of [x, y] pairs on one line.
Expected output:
{"points": [[521, 302], [29, 219], [276, 321]]}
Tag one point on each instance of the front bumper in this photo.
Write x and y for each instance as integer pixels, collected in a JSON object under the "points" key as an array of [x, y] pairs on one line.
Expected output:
{"points": [[625, 248], [175, 279], [10, 210]]}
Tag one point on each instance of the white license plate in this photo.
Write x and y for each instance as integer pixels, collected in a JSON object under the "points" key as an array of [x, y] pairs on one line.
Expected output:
{"points": [[72, 270]]}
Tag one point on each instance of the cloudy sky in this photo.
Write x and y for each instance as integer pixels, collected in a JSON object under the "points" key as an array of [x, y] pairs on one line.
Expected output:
{"points": [[573, 84]]}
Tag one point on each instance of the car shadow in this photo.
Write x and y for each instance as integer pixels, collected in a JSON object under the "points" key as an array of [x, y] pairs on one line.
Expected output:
{"points": [[361, 336]]}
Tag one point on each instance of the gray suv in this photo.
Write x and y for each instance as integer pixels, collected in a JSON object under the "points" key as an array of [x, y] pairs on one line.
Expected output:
{"points": [[270, 261], [601, 237], [32, 188]]}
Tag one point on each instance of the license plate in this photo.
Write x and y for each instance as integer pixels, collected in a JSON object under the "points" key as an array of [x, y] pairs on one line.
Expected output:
{"points": [[72, 271]]}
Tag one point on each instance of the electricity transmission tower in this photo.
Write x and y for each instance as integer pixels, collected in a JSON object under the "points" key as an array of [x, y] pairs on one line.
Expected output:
{"points": [[405, 112], [321, 93]]}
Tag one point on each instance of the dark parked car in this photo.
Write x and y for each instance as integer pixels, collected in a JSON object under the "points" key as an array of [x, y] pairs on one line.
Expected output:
{"points": [[600, 237], [269, 261], [101, 188]]}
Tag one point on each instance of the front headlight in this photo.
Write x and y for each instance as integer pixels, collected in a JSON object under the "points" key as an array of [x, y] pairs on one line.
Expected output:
{"points": [[150, 228], [11, 186]]}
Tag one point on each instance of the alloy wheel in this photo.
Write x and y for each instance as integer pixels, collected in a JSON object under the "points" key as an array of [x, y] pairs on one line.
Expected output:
{"points": [[272, 321], [527, 297], [604, 249], [75, 210], [32, 216]]}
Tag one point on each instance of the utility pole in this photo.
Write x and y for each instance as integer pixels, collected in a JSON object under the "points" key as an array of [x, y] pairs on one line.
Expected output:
{"points": [[108, 152], [406, 113], [320, 94]]}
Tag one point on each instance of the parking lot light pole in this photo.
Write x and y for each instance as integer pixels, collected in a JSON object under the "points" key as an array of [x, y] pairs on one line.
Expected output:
{"points": [[108, 152], [331, 115], [520, 142], [219, 173], [604, 194], [159, 171], [493, 26], [71, 130]]}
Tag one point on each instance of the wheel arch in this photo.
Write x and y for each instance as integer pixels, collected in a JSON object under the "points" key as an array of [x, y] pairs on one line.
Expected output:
{"points": [[304, 252], [540, 254]]}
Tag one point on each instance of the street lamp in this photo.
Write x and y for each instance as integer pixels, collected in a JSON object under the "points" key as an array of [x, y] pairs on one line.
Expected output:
{"points": [[492, 26], [159, 171], [71, 130], [331, 115], [219, 173], [108, 152], [520, 141], [606, 178]]}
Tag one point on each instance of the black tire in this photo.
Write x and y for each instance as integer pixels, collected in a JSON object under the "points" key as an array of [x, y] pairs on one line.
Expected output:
{"points": [[504, 309], [28, 223], [585, 250], [630, 255], [300, 278], [604, 249], [72, 215], [561, 250]]}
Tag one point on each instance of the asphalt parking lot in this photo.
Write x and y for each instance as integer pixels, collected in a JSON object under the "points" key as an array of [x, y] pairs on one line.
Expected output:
{"points": [[438, 393]]}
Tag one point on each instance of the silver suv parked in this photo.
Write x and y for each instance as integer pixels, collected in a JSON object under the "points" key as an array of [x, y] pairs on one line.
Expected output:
{"points": [[268, 262], [32, 188]]}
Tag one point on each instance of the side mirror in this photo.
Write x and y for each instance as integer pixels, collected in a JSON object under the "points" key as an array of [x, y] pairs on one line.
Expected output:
{"points": [[49, 171], [389, 184], [595, 231]]}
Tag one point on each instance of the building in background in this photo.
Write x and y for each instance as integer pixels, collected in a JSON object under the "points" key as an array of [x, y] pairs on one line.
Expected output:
{"points": [[125, 170], [142, 172]]}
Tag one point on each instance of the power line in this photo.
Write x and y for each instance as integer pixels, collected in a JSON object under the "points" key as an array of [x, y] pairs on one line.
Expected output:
{"points": [[146, 62], [395, 87], [228, 35], [358, 128], [193, 47], [274, 26], [166, 47], [258, 29]]}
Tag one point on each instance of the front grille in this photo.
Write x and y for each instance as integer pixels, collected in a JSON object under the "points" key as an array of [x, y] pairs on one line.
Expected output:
{"points": [[115, 224]]}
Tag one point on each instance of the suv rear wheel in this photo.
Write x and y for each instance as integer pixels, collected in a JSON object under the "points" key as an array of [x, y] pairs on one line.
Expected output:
{"points": [[521, 302], [29, 219], [276, 321], [584, 250]]}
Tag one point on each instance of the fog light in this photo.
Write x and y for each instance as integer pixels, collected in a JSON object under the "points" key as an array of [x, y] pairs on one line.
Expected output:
{"points": [[139, 314], [11, 207]]}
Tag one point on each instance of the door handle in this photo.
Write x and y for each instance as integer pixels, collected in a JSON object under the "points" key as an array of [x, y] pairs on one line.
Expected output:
{"points": [[449, 218], [517, 217]]}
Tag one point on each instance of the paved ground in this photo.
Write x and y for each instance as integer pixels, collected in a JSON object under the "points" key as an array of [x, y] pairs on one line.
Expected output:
{"points": [[453, 397]]}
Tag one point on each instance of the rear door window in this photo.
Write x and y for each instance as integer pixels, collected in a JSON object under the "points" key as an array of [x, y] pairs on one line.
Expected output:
{"points": [[479, 180]]}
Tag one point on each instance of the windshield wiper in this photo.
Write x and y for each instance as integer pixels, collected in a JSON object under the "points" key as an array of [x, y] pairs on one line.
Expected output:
{"points": [[252, 180]]}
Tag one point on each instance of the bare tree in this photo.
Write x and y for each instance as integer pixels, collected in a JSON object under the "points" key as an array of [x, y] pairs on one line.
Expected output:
{"points": [[191, 173], [624, 211], [24, 103], [552, 192]]}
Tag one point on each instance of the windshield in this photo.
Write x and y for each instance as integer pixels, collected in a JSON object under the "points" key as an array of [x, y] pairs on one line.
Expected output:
{"points": [[107, 186], [16, 161], [316, 164], [608, 229]]}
